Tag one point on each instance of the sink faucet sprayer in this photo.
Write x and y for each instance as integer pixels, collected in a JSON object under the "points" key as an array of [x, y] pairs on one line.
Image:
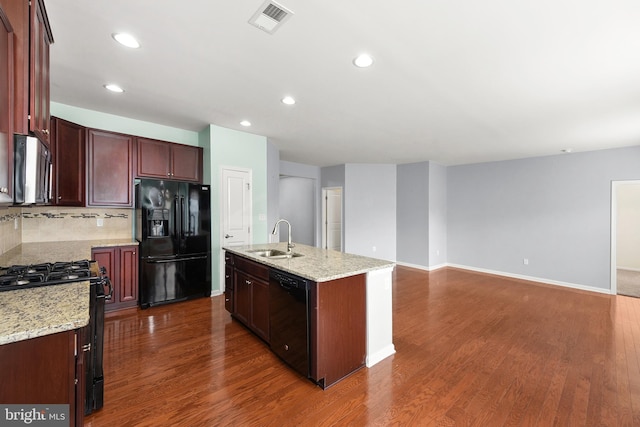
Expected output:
{"points": [[275, 231]]}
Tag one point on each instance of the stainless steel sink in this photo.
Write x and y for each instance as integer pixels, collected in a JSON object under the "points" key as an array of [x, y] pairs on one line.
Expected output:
{"points": [[274, 253]]}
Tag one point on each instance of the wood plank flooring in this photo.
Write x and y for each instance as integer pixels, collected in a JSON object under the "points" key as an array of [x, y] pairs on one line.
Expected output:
{"points": [[472, 350]]}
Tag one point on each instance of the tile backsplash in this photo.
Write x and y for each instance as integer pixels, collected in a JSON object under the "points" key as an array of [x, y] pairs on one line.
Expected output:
{"points": [[51, 224], [10, 228]]}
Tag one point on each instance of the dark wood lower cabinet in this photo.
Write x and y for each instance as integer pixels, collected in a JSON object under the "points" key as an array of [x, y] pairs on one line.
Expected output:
{"points": [[44, 370], [337, 317], [338, 328], [121, 263], [251, 295]]}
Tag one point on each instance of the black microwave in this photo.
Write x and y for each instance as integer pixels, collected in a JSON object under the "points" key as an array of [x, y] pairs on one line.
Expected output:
{"points": [[31, 171]]}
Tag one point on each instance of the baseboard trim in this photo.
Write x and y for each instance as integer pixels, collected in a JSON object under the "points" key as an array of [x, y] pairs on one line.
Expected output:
{"points": [[628, 269], [380, 355], [421, 267], [534, 279]]}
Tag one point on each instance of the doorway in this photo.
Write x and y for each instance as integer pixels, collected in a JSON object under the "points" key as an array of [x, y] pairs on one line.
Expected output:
{"points": [[332, 218], [235, 210], [625, 238]]}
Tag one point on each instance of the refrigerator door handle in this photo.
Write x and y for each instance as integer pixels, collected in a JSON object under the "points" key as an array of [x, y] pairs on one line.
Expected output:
{"points": [[182, 215], [176, 216], [165, 261]]}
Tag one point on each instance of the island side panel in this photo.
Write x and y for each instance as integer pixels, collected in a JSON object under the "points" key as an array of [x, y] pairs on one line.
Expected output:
{"points": [[338, 328], [379, 316]]}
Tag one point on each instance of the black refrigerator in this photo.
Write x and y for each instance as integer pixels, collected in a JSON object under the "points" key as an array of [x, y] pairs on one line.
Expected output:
{"points": [[173, 228]]}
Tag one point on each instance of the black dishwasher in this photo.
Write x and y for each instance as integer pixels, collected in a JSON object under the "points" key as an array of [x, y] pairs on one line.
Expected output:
{"points": [[289, 319]]}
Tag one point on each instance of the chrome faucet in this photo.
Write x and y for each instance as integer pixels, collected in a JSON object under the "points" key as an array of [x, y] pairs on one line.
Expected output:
{"points": [[275, 231]]}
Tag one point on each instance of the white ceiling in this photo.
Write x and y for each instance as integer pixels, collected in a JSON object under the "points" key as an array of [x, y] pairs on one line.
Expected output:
{"points": [[453, 82]]}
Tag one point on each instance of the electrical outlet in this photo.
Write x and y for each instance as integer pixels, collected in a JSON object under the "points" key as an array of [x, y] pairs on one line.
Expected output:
{"points": [[15, 223], [525, 261], [100, 222], [373, 249]]}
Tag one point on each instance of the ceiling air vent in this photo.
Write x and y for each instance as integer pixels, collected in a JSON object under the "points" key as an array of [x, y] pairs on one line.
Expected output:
{"points": [[270, 16]]}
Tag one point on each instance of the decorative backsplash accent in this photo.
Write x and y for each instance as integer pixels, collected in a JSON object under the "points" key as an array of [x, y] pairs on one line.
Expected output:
{"points": [[82, 215], [6, 216]]}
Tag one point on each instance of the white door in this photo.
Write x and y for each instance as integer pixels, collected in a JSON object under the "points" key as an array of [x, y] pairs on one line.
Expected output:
{"points": [[236, 207], [332, 218]]}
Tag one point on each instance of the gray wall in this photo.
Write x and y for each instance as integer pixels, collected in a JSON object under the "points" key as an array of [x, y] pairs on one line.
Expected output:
{"points": [[298, 206], [370, 210], [554, 211], [304, 190], [422, 214], [412, 228], [273, 188], [437, 214]]}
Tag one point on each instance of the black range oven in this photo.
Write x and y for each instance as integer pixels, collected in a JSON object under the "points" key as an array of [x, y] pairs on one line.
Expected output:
{"points": [[58, 273]]}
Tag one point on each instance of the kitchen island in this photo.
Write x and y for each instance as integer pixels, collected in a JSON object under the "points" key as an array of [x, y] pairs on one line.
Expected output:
{"points": [[337, 271]]}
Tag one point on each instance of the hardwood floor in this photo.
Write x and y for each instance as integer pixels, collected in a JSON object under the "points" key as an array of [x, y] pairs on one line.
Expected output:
{"points": [[472, 350]]}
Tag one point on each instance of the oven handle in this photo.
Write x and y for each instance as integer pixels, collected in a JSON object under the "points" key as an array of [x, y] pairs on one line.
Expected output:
{"points": [[106, 281], [164, 261]]}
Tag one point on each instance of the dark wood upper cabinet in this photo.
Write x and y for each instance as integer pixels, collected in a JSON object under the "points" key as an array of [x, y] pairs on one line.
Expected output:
{"points": [[186, 162], [41, 38], [32, 37], [166, 160], [110, 169], [6, 109], [68, 147]]}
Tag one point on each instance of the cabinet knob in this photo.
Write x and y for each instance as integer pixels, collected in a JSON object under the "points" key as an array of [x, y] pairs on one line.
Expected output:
{"points": [[59, 197]]}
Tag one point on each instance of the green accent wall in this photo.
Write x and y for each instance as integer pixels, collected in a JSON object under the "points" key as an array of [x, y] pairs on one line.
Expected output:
{"points": [[110, 122], [232, 148]]}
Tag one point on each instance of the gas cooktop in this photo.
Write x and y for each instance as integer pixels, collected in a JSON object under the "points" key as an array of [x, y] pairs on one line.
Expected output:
{"points": [[45, 274]]}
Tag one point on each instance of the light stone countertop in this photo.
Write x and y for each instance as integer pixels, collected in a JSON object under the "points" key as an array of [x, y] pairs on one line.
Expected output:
{"points": [[34, 312], [319, 265]]}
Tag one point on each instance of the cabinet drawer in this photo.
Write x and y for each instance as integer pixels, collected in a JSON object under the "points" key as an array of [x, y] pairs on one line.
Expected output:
{"points": [[257, 270]]}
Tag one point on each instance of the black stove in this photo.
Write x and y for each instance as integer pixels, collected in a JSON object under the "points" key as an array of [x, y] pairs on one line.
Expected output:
{"points": [[57, 273], [45, 274]]}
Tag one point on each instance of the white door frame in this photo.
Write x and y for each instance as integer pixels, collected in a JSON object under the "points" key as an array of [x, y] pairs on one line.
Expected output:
{"points": [[221, 214], [614, 230]]}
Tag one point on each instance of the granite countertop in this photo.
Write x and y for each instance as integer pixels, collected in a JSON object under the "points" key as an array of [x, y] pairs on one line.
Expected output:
{"points": [[319, 265], [34, 312]]}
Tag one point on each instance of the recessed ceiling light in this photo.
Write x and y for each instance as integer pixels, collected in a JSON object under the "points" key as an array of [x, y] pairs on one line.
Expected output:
{"points": [[245, 123], [114, 88], [288, 100], [126, 40], [363, 61]]}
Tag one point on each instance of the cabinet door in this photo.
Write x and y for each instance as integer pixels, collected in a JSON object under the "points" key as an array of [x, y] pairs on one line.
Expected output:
{"points": [[41, 38], [128, 277], [6, 109], [228, 288], [68, 146], [153, 158], [186, 162], [242, 296], [260, 308], [110, 169], [106, 257]]}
